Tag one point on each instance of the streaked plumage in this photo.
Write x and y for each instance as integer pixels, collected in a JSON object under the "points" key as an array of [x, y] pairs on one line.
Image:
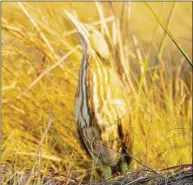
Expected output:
{"points": [[101, 105]]}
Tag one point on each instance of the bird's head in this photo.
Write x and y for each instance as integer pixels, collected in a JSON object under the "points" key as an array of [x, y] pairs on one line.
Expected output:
{"points": [[90, 37]]}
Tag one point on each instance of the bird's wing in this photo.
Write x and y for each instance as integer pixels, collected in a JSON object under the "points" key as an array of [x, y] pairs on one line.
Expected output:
{"points": [[114, 103]]}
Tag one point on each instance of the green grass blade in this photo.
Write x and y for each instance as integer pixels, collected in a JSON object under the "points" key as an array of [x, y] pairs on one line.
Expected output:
{"points": [[169, 34]]}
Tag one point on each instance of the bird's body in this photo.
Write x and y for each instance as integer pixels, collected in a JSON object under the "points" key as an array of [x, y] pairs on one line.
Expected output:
{"points": [[101, 105]]}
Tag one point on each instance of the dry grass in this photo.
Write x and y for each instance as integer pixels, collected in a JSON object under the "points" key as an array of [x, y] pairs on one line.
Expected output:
{"points": [[41, 56]]}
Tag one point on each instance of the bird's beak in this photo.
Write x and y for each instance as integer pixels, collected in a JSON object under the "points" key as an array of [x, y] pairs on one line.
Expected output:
{"points": [[83, 32]]}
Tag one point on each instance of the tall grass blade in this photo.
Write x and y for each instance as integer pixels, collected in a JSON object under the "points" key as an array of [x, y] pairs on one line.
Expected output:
{"points": [[165, 34], [169, 34]]}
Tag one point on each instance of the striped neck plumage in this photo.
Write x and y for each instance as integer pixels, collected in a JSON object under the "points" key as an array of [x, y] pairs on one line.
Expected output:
{"points": [[83, 93]]}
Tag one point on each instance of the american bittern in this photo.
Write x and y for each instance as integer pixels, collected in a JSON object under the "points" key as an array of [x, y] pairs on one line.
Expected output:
{"points": [[101, 107]]}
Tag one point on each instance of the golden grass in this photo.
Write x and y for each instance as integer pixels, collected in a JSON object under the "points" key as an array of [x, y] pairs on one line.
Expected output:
{"points": [[41, 55]]}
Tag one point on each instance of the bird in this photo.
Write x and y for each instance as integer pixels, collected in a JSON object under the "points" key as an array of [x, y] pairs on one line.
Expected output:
{"points": [[102, 108]]}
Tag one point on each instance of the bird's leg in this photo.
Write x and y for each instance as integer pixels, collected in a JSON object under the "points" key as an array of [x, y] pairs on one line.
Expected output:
{"points": [[124, 164], [107, 172]]}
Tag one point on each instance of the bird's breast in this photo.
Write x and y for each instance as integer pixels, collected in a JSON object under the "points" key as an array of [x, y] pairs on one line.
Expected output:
{"points": [[99, 94]]}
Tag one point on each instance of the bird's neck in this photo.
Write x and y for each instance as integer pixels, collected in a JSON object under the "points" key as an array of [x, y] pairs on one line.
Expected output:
{"points": [[82, 96], [93, 80]]}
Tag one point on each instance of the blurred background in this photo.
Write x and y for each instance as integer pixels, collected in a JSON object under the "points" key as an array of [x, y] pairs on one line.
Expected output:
{"points": [[41, 55]]}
